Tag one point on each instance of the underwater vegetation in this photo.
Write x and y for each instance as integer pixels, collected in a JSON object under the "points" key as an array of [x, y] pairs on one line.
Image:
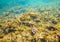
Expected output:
{"points": [[26, 25]]}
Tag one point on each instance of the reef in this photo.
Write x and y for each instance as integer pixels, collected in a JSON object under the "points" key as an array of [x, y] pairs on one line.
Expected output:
{"points": [[32, 26]]}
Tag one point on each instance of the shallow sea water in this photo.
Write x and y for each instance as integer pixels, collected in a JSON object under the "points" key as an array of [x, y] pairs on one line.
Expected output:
{"points": [[6, 5], [29, 20]]}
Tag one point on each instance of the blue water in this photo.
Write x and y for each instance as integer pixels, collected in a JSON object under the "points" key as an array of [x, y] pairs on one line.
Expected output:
{"points": [[8, 4]]}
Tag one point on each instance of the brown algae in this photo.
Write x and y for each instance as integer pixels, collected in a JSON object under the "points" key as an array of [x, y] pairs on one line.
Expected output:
{"points": [[31, 27]]}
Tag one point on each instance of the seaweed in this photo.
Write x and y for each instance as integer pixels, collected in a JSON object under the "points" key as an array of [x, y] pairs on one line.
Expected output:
{"points": [[58, 37], [1, 37], [5, 31], [26, 23], [37, 21], [11, 27], [11, 30], [43, 40], [34, 27], [0, 25], [33, 40], [32, 33], [54, 22], [51, 28], [47, 19], [33, 17]]}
